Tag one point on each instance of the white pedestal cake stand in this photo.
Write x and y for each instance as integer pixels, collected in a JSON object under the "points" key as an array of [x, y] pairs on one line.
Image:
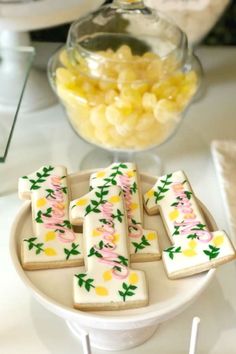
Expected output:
{"points": [[19, 17], [109, 330]]}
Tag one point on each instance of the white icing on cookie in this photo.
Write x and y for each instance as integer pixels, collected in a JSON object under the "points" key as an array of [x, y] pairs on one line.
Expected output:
{"points": [[143, 243], [195, 248], [109, 282], [53, 243]]}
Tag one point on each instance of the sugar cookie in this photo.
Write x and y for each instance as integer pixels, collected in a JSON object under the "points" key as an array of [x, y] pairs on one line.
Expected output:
{"points": [[195, 249], [53, 243], [108, 282], [143, 243]]}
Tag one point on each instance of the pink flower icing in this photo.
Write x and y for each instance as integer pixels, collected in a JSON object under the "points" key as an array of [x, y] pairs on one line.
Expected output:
{"points": [[190, 220], [135, 230], [58, 212], [109, 256]]}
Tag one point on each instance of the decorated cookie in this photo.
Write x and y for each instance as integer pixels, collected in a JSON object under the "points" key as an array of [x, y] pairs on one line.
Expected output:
{"points": [[53, 243], [143, 244], [108, 282], [194, 248]]}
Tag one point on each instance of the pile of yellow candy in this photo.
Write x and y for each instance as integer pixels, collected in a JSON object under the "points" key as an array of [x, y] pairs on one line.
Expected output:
{"points": [[118, 100]]}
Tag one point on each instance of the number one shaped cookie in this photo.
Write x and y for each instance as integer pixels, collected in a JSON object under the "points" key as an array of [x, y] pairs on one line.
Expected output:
{"points": [[53, 243], [143, 243], [109, 282], [195, 249]]}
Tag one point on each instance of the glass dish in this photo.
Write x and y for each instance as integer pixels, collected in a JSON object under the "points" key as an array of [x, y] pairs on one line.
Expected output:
{"points": [[125, 77], [11, 90]]}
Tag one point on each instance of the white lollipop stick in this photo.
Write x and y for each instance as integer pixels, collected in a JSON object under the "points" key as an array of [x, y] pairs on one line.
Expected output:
{"points": [[194, 335], [84, 336]]}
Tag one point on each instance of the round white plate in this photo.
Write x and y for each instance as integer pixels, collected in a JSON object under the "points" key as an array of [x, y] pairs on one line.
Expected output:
{"points": [[53, 288]]}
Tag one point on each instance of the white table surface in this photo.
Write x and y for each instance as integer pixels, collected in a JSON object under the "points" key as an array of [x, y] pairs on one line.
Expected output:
{"points": [[46, 137]]}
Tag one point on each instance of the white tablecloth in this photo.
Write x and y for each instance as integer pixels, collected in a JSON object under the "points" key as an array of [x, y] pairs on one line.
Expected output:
{"points": [[46, 137]]}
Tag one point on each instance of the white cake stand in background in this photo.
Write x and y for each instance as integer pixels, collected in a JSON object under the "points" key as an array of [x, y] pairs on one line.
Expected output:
{"points": [[16, 20]]}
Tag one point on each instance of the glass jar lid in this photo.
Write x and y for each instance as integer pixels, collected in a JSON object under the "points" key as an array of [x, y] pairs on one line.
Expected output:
{"points": [[126, 23]]}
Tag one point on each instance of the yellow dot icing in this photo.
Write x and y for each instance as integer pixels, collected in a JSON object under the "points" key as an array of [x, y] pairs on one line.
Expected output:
{"points": [[151, 236], [133, 206], [192, 244], [82, 202], [41, 202], [100, 174], [114, 199], [116, 238], [173, 215], [50, 252], [130, 173], [150, 193], [101, 291], [107, 275], [189, 253], [96, 233], [133, 278], [218, 240], [50, 236]]}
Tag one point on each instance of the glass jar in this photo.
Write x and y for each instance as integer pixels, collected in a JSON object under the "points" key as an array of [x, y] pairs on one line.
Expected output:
{"points": [[125, 76]]}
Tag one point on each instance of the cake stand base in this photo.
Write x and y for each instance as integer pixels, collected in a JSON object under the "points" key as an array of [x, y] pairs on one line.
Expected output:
{"points": [[147, 162], [113, 340]]}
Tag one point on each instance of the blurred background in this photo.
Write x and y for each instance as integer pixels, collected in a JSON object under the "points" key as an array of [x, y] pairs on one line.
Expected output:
{"points": [[223, 32]]}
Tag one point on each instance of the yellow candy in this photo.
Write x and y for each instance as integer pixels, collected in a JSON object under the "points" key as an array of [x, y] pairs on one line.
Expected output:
{"points": [[145, 122], [65, 77], [154, 70], [110, 96], [107, 85], [165, 111], [132, 96], [140, 86], [127, 75], [149, 101], [98, 116], [126, 108], [126, 101], [149, 56], [113, 115], [124, 53]]}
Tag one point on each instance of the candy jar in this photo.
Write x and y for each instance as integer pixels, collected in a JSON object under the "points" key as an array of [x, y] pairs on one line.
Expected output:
{"points": [[125, 78]]}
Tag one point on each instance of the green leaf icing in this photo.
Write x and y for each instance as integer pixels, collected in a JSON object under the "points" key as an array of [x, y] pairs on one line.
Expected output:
{"points": [[40, 177], [140, 246], [127, 290], [212, 252], [71, 252], [33, 245], [172, 251], [82, 282]]}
